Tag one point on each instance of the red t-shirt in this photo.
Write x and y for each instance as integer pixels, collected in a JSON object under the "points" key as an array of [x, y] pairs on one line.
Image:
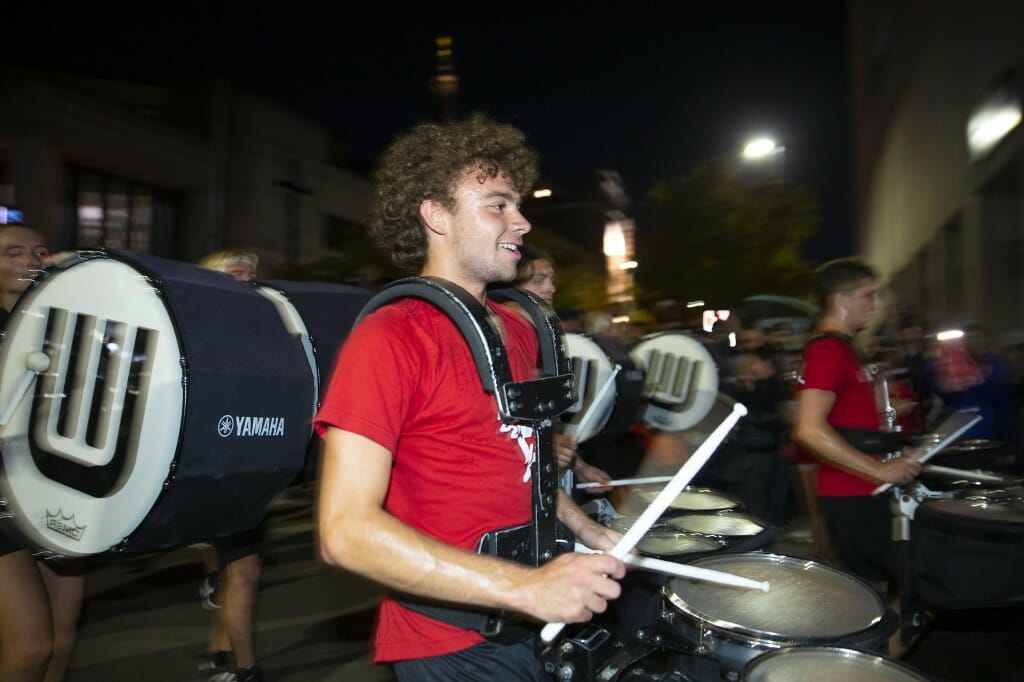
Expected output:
{"points": [[832, 365], [406, 380]]}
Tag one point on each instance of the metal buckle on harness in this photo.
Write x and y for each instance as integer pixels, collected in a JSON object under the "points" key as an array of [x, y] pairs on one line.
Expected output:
{"points": [[494, 625]]}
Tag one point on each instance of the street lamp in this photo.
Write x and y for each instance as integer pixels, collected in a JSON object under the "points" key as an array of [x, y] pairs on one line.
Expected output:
{"points": [[760, 148]]}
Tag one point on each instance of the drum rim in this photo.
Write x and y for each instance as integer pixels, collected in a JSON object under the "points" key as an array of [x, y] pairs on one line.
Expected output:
{"points": [[762, 525], [846, 652], [761, 637]]}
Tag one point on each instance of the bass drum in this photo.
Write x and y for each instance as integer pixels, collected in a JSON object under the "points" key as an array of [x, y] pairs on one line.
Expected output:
{"points": [[682, 380], [967, 550], [808, 604], [609, 388], [173, 404]]}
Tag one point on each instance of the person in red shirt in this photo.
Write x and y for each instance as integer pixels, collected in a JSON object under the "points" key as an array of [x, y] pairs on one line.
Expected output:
{"points": [[837, 392], [417, 464]]}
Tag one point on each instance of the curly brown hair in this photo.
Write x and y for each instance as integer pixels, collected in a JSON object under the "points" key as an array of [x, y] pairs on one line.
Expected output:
{"points": [[427, 163]]}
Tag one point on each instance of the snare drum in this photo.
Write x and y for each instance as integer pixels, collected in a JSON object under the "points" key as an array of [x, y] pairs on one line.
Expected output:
{"points": [[175, 405], [812, 664], [808, 604]]}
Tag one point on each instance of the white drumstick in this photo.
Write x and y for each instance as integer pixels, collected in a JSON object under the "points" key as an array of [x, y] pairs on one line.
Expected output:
{"points": [[35, 362], [625, 481], [660, 503], [950, 471], [703, 574], [685, 571], [592, 408]]}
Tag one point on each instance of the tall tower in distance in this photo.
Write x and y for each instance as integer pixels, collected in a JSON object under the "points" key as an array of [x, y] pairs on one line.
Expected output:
{"points": [[444, 84]]}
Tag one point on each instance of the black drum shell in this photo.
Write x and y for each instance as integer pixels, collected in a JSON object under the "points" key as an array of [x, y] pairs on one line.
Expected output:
{"points": [[961, 559]]}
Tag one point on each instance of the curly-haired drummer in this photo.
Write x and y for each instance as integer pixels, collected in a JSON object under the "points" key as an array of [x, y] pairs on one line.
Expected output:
{"points": [[417, 464]]}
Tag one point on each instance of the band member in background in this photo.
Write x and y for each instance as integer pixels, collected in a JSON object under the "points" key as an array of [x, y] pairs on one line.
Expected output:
{"points": [[838, 393], [417, 465], [233, 563], [39, 601], [536, 274]]}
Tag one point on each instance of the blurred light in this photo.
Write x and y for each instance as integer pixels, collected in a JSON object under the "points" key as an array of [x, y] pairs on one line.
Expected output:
{"points": [[541, 193], [708, 320], [723, 315], [628, 265], [620, 319], [90, 213], [614, 239], [991, 121], [949, 335], [732, 339], [760, 147], [695, 304]]}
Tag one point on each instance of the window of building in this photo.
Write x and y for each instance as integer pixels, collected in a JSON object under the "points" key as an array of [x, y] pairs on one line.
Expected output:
{"points": [[112, 212]]}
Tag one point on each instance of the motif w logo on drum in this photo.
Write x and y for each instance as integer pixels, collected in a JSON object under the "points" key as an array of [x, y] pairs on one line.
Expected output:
{"points": [[86, 414]]}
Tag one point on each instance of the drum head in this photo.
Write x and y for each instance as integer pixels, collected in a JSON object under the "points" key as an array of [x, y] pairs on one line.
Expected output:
{"points": [[595, 381], [671, 544], [682, 380], [808, 664], [692, 499], [807, 601], [70, 473], [724, 525], [1006, 507]]}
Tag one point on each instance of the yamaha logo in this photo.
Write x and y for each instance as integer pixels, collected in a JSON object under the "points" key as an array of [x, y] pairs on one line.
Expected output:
{"points": [[250, 426]]}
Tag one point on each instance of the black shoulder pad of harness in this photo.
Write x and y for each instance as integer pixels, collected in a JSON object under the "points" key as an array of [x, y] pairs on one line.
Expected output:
{"points": [[533, 400]]}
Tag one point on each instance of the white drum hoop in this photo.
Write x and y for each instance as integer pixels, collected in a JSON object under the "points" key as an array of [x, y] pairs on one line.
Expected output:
{"points": [[682, 380]]}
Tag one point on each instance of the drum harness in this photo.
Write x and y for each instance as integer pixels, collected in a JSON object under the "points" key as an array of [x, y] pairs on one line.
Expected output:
{"points": [[535, 402]]}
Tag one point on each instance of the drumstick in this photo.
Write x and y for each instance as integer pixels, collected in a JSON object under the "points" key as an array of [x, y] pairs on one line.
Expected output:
{"points": [[702, 574], [592, 408], [686, 571], [660, 503], [35, 362], [977, 475], [625, 481]]}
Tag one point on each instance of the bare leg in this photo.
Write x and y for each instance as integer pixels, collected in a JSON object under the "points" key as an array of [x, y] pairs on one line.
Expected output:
{"points": [[65, 595], [241, 581], [26, 639]]}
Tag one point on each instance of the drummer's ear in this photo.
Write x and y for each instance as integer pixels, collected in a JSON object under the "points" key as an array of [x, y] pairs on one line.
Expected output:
{"points": [[434, 216]]}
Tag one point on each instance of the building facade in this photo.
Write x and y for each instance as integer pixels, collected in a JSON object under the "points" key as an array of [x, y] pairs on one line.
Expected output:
{"points": [[940, 196], [174, 171]]}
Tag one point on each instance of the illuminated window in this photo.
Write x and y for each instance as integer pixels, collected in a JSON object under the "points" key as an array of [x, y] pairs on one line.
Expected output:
{"points": [[114, 212]]}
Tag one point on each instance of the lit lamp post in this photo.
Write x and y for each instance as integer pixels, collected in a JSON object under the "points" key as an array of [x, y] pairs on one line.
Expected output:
{"points": [[619, 255], [764, 152]]}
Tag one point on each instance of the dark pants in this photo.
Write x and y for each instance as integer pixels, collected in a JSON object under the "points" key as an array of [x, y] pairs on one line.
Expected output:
{"points": [[862, 531], [486, 661]]}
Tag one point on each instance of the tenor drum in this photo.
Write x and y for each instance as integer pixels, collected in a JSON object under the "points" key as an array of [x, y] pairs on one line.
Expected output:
{"points": [[808, 604], [691, 499], [967, 549], [812, 664], [174, 405]]}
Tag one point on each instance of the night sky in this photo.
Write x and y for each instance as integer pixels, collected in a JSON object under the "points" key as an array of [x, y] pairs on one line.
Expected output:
{"points": [[646, 88]]}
